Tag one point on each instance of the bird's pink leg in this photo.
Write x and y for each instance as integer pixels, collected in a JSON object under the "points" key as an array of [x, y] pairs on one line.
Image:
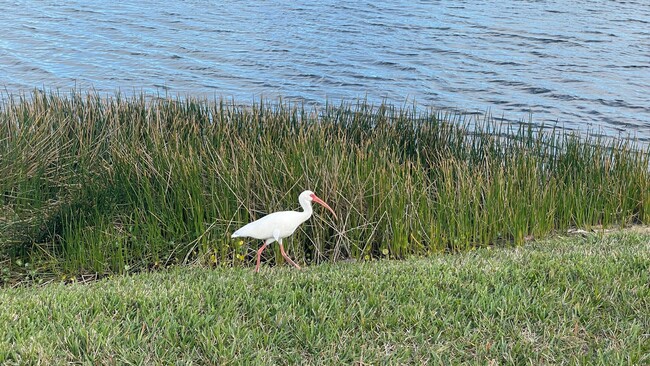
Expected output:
{"points": [[284, 254], [259, 255]]}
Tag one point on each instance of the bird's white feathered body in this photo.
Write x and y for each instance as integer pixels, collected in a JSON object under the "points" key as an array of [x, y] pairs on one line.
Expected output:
{"points": [[273, 227], [278, 225]]}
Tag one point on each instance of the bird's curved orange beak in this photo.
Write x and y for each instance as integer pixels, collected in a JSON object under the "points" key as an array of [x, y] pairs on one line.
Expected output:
{"points": [[322, 203]]}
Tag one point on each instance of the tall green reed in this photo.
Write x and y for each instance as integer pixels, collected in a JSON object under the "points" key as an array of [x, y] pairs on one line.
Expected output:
{"points": [[113, 184]]}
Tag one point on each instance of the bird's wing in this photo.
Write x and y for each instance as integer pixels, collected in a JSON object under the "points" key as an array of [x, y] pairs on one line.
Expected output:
{"points": [[285, 222]]}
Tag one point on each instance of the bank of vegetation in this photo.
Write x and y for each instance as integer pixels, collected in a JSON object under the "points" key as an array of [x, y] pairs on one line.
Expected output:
{"points": [[94, 184]]}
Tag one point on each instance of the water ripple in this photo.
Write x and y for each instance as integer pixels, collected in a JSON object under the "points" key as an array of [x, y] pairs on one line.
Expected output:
{"points": [[584, 63]]}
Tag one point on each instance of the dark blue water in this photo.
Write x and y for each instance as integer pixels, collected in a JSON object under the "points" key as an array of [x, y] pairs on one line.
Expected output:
{"points": [[585, 64]]}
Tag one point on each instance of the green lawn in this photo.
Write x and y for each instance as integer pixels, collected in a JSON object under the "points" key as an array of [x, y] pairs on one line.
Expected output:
{"points": [[583, 300]]}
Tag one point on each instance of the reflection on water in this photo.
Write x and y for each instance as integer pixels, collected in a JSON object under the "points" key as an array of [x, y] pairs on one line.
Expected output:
{"points": [[585, 64]]}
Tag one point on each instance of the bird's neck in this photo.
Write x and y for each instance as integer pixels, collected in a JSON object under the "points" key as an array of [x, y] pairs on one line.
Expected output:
{"points": [[307, 210]]}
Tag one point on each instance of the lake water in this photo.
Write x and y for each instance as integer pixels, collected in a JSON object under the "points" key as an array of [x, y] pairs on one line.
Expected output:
{"points": [[584, 64]]}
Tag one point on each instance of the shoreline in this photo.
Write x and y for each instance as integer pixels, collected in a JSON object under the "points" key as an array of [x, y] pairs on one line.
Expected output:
{"points": [[105, 186]]}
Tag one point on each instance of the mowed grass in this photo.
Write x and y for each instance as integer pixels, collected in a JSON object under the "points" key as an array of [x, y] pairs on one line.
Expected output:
{"points": [[94, 185], [578, 300]]}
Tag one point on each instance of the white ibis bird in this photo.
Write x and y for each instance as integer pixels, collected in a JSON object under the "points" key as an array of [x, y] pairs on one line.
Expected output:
{"points": [[279, 225]]}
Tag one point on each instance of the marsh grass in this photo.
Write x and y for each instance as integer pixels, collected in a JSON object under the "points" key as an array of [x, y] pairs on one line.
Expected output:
{"points": [[115, 184]]}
